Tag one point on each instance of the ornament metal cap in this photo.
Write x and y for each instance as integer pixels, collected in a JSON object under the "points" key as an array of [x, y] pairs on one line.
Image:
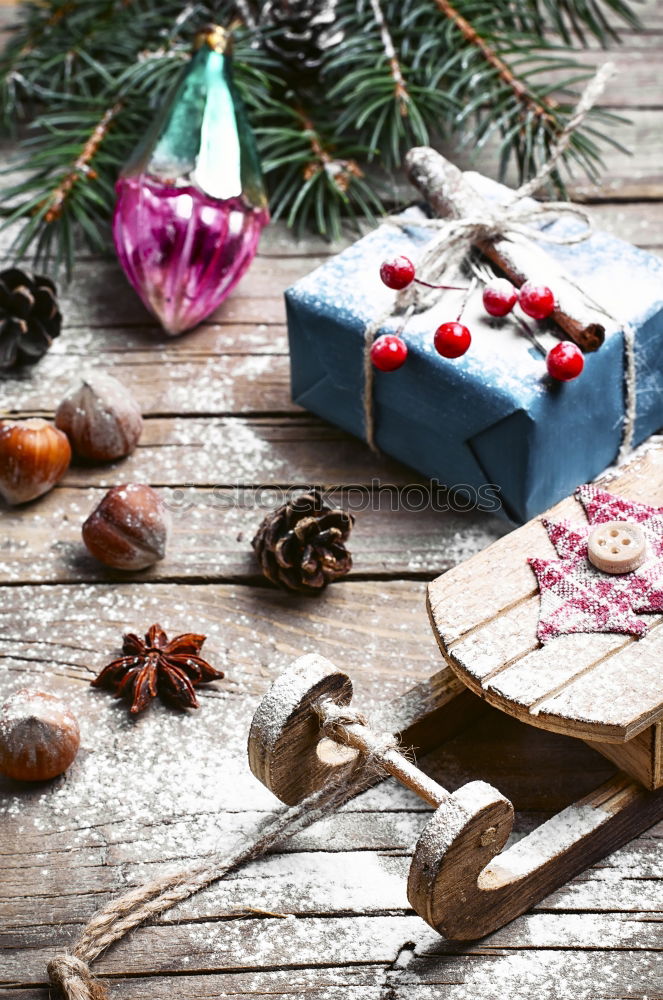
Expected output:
{"points": [[218, 39]]}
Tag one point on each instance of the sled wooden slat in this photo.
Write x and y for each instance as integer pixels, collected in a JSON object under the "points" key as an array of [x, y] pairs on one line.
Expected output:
{"points": [[602, 687]]}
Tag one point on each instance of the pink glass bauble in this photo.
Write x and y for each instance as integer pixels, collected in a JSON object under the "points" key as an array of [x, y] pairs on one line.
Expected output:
{"points": [[181, 250], [190, 203]]}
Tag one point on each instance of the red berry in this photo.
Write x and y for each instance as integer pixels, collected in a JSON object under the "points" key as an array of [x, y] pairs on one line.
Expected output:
{"points": [[452, 340], [536, 300], [565, 361], [388, 353], [397, 273], [499, 297]]}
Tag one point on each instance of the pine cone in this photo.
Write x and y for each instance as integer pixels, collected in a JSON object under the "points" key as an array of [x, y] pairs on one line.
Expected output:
{"points": [[301, 545], [301, 31], [29, 317]]}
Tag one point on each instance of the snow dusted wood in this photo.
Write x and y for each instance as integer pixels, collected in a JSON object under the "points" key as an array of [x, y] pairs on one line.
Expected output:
{"points": [[211, 528], [601, 687], [351, 934], [305, 734], [465, 889], [642, 756], [284, 739], [458, 882]]}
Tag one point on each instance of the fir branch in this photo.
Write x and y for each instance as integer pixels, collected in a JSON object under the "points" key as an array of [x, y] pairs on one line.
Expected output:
{"points": [[82, 165], [364, 92], [400, 89], [314, 185], [408, 70], [575, 19], [542, 109], [339, 171]]}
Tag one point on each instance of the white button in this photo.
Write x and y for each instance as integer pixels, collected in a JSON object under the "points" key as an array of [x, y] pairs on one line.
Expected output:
{"points": [[617, 546]]}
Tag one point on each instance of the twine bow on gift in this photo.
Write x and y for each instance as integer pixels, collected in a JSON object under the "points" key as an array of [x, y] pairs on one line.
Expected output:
{"points": [[455, 238], [516, 221]]}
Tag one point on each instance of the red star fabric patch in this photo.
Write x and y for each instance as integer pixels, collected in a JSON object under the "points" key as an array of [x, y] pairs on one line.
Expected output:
{"points": [[578, 597]]}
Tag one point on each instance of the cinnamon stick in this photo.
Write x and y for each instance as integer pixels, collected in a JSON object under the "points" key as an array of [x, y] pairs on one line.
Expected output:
{"points": [[451, 195]]}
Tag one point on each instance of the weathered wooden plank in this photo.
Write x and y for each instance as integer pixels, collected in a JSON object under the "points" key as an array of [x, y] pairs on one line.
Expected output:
{"points": [[363, 982], [35, 886], [223, 945], [353, 882], [246, 453], [99, 295], [266, 278], [416, 975], [639, 222], [623, 177], [557, 930], [540, 772], [531, 975], [650, 15], [243, 454], [207, 340], [321, 881], [99, 292], [347, 983], [68, 633], [336, 941], [192, 385], [211, 538], [638, 80]]}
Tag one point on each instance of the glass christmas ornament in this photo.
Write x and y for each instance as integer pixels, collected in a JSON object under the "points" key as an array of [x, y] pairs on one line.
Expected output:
{"points": [[190, 202]]}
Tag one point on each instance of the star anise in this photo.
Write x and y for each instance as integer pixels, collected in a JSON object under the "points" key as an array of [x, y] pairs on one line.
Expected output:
{"points": [[171, 669]]}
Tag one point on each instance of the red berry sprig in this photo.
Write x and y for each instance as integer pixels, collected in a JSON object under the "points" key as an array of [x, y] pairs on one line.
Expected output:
{"points": [[388, 352], [536, 301], [565, 361], [399, 272], [452, 340], [499, 297]]}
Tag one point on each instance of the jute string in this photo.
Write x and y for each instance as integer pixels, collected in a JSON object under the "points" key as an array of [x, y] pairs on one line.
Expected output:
{"points": [[70, 971], [517, 221]]}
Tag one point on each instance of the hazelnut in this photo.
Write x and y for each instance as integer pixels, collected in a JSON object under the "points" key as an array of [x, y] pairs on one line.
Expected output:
{"points": [[39, 736], [34, 456], [129, 528], [101, 418]]}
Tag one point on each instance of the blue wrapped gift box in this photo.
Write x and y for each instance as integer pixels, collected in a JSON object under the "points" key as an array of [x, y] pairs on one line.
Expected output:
{"points": [[492, 416]]}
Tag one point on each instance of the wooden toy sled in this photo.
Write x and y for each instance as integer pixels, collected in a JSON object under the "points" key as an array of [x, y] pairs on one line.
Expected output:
{"points": [[605, 689]]}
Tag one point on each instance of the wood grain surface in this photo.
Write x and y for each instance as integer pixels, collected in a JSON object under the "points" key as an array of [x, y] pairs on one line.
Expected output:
{"points": [[327, 917], [599, 687]]}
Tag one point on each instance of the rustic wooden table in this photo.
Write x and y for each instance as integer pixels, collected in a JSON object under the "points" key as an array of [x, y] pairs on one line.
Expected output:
{"points": [[327, 916]]}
